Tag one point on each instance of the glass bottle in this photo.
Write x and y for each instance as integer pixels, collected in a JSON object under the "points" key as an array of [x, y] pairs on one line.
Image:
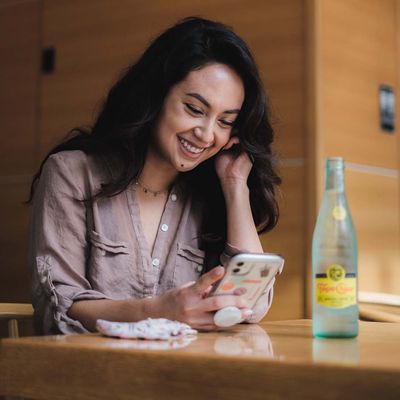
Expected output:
{"points": [[334, 260]]}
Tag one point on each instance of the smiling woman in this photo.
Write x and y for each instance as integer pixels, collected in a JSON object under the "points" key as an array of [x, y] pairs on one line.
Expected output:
{"points": [[196, 119], [132, 217]]}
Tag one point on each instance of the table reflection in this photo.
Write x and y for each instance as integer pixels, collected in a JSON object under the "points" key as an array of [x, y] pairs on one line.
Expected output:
{"points": [[141, 344], [250, 340], [343, 351], [272, 341]]}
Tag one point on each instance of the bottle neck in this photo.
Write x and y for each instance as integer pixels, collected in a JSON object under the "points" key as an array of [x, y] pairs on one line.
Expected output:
{"points": [[334, 178]]}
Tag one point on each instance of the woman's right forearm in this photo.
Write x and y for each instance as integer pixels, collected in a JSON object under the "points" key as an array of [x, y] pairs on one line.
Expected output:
{"points": [[129, 310]]}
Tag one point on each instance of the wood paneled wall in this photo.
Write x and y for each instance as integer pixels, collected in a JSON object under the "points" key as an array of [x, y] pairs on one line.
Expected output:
{"points": [[19, 83], [96, 39], [321, 62], [354, 51]]}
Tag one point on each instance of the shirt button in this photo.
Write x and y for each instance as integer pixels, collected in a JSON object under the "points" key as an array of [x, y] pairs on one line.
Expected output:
{"points": [[174, 197], [155, 262], [164, 227], [199, 268]]}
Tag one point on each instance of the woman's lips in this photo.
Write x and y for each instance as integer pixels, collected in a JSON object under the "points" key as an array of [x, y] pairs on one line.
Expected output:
{"points": [[186, 151]]}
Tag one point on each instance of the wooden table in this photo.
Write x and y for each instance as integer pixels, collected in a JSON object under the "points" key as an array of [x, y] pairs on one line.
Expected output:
{"points": [[273, 360]]}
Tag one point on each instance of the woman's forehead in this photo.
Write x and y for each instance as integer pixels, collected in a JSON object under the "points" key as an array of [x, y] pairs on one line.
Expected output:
{"points": [[216, 83]]}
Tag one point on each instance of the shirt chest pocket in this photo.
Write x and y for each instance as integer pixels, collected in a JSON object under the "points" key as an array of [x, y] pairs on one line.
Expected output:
{"points": [[189, 264], [106, 246], [110, 264]]}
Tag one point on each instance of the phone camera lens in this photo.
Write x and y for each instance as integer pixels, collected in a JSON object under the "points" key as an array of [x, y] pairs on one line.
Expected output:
{"points": [[239, 264]]}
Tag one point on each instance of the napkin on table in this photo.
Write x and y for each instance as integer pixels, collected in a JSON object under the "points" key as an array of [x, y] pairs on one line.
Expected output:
{"points": [[150, 328]]}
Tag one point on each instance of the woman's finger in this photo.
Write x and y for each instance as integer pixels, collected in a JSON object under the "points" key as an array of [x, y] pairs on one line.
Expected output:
{"points": [[208, 279], [203, 318], [231, 142], [215, 303], [247, 314], [207, 292], [244, 160], [262, 306], [207, 328]]}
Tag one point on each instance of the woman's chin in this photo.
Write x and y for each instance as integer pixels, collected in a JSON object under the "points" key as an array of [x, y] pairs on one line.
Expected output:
{"points": [[186, 165]]}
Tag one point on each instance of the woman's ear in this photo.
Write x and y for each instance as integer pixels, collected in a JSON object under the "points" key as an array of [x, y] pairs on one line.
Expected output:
{"points": [[231, 142]]}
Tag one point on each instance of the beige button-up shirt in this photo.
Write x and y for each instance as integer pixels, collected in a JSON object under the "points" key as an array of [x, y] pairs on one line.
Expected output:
{"points": [[97, 250]]}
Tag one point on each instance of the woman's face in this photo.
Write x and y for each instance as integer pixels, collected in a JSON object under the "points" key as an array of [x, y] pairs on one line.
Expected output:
{"points": [[196, 120]]}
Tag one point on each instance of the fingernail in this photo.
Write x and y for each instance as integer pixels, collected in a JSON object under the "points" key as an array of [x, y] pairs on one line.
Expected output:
{"points": [[219, 271], [247, 314]]}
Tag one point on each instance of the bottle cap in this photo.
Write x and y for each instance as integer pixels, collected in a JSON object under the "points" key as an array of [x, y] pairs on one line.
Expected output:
{"points": [[335, 162]]}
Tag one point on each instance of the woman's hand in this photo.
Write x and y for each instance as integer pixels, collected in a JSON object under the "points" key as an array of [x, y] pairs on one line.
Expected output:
{"points": [[232, 169], [191, 305], [262, 305]]}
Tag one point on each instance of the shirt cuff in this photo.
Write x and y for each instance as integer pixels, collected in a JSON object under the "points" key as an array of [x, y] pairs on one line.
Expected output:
{"points": [[52, 302], [64, 323]]}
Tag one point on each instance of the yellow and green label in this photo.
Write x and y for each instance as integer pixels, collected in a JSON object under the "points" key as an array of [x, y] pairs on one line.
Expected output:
{"points": [[336, 288]]}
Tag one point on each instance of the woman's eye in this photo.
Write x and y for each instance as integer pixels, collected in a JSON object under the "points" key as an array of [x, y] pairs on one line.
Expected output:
{"points": [[193, 109], [227, 123]]}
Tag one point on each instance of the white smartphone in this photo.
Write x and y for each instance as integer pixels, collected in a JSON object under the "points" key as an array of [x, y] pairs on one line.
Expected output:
{"points": [[248, 275]]}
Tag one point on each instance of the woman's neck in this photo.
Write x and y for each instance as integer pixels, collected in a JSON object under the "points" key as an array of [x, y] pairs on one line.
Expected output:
{"points": [[155, 175]]}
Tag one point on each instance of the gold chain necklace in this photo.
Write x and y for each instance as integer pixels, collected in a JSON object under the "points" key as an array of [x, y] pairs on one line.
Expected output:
{"points": [[147, 190]]}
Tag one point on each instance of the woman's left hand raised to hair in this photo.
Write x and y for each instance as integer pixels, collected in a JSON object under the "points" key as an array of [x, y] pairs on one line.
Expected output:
{"points": [[233, 168]]}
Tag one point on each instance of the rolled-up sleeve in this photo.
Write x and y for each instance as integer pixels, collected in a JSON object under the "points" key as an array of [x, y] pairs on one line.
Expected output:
{"points": [[58, 247]]}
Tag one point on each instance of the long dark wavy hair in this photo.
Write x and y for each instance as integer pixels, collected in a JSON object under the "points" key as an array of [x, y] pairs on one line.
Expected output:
{"points": [[124, 125]]}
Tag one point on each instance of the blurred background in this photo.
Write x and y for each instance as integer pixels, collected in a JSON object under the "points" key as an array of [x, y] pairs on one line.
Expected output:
{"points": [[327, 66]]}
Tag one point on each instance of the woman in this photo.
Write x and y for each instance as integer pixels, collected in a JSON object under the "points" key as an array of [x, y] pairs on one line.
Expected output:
{"points": [[132, 217]]}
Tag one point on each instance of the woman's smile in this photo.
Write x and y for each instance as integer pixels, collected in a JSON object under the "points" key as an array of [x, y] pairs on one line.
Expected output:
{"points": [[189, 149]]}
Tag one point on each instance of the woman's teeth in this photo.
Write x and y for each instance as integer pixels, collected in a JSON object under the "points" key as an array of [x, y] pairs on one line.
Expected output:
{"points": [[189, 147]]}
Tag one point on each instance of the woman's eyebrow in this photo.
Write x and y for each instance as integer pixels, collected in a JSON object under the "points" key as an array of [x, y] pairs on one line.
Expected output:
{"points": [[207, 104]]}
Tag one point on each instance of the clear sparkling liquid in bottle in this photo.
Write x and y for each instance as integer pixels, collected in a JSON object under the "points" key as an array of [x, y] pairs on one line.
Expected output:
{"points": [[334, 260]]}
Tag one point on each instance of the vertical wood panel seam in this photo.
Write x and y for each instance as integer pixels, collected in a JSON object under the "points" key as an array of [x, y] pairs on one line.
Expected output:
{"points": [[397, 88], [39, 85], [311, 22], [298, 162]]}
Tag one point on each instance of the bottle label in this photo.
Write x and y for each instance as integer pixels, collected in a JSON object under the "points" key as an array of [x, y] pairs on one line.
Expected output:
{"points": [[336, 288]]}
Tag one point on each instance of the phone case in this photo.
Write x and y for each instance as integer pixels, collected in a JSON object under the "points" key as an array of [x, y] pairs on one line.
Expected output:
{"points": [[248, 275]]}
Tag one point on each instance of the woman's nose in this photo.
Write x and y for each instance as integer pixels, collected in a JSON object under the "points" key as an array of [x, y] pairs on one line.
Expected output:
{"points": [[204, 133]]}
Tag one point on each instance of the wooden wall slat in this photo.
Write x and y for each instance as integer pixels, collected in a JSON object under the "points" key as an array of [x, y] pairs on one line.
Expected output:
{"points": [[355, 52], [19, 74], [288, 240], [358, 52], [14, 272], [19, 67], [373, 202]]}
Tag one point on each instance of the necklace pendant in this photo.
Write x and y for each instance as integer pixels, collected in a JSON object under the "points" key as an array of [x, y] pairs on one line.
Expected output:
{"points": [[146, 190]]}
